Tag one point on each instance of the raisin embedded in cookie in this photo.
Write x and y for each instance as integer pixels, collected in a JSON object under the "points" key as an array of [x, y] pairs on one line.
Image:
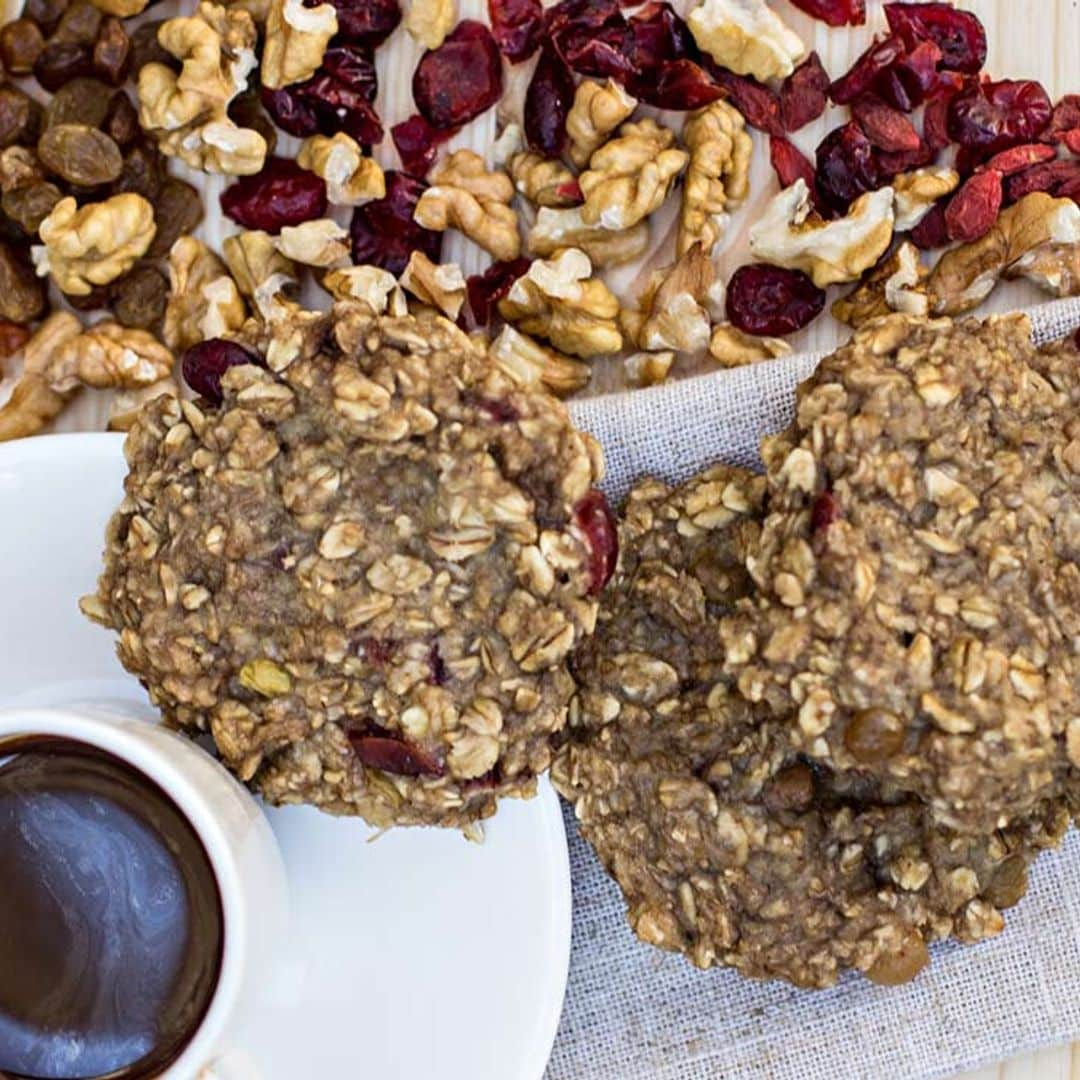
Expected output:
{"points": [[729, 847], [363, 574], [917, 569]]}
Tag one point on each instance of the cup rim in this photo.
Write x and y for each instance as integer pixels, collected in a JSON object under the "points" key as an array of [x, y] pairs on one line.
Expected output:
{"points": [[113, 736]]}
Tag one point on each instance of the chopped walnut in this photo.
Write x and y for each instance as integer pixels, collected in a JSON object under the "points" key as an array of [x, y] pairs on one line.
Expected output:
{"points": [[320, 242], [556, 230], [34, 403], [188, 112], [296, 39], [465, 196], [967, 274], [531, 364], [630, 177], [108, 356], [559, 300], [1054, 268], [252, 257], [676, 315], [127, 404], [916, 192], [94, 244], [598, 109], [731, 347], [204, 301], [351, 178], [790, 234], [717, 177], [442, 287], [648, 368], [747, 37], [896, 285], [542, 181], [429, 21], [368, 284]]}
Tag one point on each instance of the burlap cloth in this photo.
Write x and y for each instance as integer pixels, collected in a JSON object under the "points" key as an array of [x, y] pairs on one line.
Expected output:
{"points": [[632, 1011]]}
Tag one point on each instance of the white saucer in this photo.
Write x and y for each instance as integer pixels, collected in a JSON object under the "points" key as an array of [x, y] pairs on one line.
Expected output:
{"points": [[418, 955]]}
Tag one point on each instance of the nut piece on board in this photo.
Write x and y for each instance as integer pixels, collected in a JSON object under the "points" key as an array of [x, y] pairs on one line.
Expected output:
{"points": [[598, 109], [556, 230], [544, 181], [319, 242], [370, 285], [429, 21], [126, 404], [677, 315], [529, 363], [252, 257], [93, 244], [204, 301], [33, 402], [747, 37], [630, 177], [731, 347], [717, 177], [441, 286], [896, 285], [558, 299], [917, 191], [296, 39], [351, 179], [648, 368], [109, 356], [790, 234]]}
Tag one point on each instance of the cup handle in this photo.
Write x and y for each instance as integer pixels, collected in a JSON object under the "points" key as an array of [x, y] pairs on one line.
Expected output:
{"points": [[231, 1064]]}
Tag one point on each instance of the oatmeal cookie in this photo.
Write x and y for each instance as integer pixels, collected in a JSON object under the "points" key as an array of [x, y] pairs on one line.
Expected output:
{"points": [[363, 574], [729, 847], [919, 607]]}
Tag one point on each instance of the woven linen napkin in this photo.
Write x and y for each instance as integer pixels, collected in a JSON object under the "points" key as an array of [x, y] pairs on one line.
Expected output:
{"points": [[632, 1011]]}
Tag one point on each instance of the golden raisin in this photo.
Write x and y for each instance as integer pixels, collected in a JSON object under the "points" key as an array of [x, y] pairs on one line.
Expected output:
{"points": [[1008, 884], [901, 966], [792, 788], [874, 735]]}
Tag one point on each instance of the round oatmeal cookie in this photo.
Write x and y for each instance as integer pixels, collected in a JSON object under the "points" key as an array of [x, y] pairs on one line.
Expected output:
{"points": [[729, 847], [919, 606], [363, 572]]}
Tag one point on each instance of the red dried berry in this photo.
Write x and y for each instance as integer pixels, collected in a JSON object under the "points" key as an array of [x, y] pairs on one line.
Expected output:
{"points": [[846, 166], [988, 117], [353, 65], [377, 651], [835, 12], [959, 34], [281, 194], [204, 364], [1065, 118], [500, 410], [771, 300], [975, 207], [417, 143], [547, 103], [516, 26], [460, 79], [593, 517], [1056, 178], [1072, 141], [343, 109], [366, 22], [290, 112], [931, 232], [487, 289], [907, 83], [1019, 158], [676, 84], [789, 162], [889, 164], [887, 128], [935, 123], [383, 232], [758, 104], [825, 511], [804, 94], [880, 55], [659, 33], [567, 23], [389, 754], [570, 190]]}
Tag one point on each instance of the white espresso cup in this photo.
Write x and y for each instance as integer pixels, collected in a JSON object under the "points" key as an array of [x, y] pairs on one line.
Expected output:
{"points": [[238, 840]]}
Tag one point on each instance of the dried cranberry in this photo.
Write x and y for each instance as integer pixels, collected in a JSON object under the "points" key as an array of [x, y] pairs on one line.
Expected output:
{"points": [[291, 112], [417, 143], [341, 108], [835, 12], [804, 94], [880, 55], [659, 33], [487, 289], [1065, 118], [906, 84], [901, 161], [763, 299], [281, 194], [974, 208], [366, 22], [12, 337], [1072, 141], [566, 22], [758, 104], [993, 116], [204, 364], [931, 232], [790, 162], [390, 754], [605, 53], [887, 128], [594, 518], [958, 34], [516, 26], [935, 122], [1019, 158], [354, 66], [547, 103], [846, 166], [676, 84], [461, 78], [1056, 178], [376, 651], [825, 511], [499, 409], [384, 233]]}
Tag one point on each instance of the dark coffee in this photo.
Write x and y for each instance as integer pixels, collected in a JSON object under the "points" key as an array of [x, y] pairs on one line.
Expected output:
{"points": [[111, 928]]}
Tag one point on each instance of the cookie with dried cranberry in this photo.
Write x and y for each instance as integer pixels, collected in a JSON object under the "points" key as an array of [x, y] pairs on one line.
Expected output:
{"points": [[919, 606], [729, 847], [363, 571]]}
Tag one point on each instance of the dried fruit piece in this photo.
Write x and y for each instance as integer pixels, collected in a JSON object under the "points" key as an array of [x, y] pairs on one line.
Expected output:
{"points": [[22, 295], [974, 208], [178, 209], [281, 194], [790, 162], [138, 298], [20, 117], [936, 121], [487, 289], [1019, 158], [417, 143], [60, 62], [113, 53], [461, 79], [81, 101], [30, 204], [143, 172], [958, 34], [906, 83], [547, 104], [677, 84], [384, 233], [804, 94], [990, 117], [516, 26], [1065, 118], [291, 112], [21, 42], [846, 166], [931, 231], [593, 517], [860, 79], [46, 13], [121, 122], [367, 22], [758, 104], [81, 155], [394, 755], [205, 363], [887, 128], [1053, 177], [835, 12], [772, 301], [890, 163]]}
